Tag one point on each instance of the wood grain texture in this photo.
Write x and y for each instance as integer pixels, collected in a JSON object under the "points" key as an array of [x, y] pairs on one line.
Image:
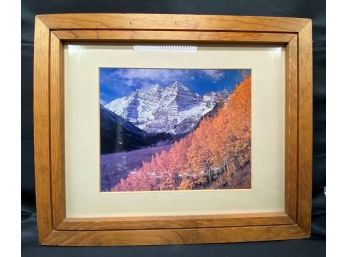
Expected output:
{"points": [[55, 229], [172, 22], [179, 36], [57, 129], [173, 236], [42, 130], [291, 105], [305, 136], [193, 221]]}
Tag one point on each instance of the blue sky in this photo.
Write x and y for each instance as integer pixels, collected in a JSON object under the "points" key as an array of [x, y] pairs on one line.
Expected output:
{"points": [[120, 82]]}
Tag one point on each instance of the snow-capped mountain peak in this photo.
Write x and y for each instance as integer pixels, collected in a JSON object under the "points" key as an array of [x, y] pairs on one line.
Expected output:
{"points": [[173, 109], [176, 86]]}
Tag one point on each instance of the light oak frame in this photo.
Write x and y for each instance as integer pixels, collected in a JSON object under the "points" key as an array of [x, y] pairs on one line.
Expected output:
{"points": [[53, 31]]}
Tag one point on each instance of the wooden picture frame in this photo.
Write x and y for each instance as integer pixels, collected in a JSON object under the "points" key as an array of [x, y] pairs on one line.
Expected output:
{"points": [[53, 31]]}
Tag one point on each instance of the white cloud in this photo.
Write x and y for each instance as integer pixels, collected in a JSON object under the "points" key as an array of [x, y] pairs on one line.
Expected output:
{"points": [[131, 75], [215, 75]]}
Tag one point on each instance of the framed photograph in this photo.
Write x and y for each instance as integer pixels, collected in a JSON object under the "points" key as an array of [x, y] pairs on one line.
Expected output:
{"points": [[172, 129]]}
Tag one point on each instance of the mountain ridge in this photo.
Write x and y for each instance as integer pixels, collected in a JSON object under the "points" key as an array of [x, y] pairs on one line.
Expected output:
{"points": [[174, 109]]}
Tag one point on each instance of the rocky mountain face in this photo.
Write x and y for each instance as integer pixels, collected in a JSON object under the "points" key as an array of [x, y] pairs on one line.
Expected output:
{"points": [[173, 109], [118, 135]]}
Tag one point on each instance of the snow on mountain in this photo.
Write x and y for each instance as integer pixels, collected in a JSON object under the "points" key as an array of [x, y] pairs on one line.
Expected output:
{"points": [[108, 117], [173, 109]]}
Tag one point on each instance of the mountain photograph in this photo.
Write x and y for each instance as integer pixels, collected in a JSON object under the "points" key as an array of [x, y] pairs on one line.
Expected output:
{"points": [[174, 129]]}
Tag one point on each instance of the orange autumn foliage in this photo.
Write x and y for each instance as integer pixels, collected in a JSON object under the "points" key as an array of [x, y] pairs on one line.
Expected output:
{"points": [[215, 155]]}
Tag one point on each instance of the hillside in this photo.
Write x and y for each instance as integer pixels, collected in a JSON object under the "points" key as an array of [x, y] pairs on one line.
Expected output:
{"points": [[116, 166], [215, 155], [118, 134]]}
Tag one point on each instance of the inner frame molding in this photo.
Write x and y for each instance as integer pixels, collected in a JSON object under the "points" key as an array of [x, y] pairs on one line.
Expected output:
{"points": [[82, 132], [52, 31]]}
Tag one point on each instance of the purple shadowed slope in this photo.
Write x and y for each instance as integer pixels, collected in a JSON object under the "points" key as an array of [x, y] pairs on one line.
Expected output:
{"points": [[116, 166]]}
